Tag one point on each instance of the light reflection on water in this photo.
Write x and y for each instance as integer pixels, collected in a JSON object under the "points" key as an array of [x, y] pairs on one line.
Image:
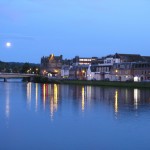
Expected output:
{"points": [[36, 97], [83, 98], [7, 106], [86, 96], [116, 103], [55, 108]]}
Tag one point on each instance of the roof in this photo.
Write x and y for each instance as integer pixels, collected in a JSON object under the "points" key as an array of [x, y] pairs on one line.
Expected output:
{"points": [[146, 58], [57, 58], [65, 67], [129, 57]]}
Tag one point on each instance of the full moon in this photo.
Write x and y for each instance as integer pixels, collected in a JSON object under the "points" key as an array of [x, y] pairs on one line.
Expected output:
{"points": [[8, 44]]}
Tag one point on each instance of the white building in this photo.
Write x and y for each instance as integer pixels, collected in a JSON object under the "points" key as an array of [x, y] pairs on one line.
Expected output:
{"points": [[102, 71], [65, 71], [111, 59], [90, 73]]}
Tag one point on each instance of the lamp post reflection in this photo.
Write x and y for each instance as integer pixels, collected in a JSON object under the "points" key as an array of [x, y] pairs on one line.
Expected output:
{"points": [[51, 108], [50, 94], [136, 98], [89, 92], [36, 97], [55, 95], [126, 95], [7, 104], [54, 101], [44, 95], [7, 109], [29, 93], [116, 101], [83, 98]]}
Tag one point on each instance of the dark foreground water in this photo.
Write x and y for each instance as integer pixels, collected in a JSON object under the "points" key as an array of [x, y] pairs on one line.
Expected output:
{"points": [[68, 117]]}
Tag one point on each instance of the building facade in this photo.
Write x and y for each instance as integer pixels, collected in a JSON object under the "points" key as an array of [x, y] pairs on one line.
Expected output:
{"points": [[84, 60], [101, 71], [130, 71], [117, 67], [51, 65], [65, 71], [78, 72]]}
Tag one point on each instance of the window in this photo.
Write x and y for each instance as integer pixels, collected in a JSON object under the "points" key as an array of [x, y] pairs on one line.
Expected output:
{"points": [[81, 60], [108, 61], [126, 72], [122, 66]]}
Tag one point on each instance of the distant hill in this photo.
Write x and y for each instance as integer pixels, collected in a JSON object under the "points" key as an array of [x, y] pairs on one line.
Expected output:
{"points": [[18, 67]]}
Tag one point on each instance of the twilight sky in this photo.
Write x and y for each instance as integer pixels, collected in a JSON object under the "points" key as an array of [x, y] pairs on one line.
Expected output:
{"points": [[38, 28]]}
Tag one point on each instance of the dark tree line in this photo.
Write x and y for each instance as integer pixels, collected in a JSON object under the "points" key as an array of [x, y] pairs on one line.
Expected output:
{"points": [[13, 67]]}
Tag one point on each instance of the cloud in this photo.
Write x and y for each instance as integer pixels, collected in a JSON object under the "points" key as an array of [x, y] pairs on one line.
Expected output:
{"points": [[16, 36]]}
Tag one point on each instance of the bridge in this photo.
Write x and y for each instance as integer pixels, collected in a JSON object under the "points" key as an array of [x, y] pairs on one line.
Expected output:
{"points": [[6, 76]]}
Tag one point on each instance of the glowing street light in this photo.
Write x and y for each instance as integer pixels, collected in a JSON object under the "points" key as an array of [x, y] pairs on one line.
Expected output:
{"points": [[44, 72], [37, 70]]}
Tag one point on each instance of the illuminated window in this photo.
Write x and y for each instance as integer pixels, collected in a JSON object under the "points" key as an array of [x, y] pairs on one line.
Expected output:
{"points": [[81, 60]]}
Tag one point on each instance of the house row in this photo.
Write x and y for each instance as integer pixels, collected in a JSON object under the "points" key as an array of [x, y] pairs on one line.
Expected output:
{"points": [[117, 67]]}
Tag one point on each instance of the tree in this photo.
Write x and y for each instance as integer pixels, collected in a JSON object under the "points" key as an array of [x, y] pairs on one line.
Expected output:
{"points": [[25, 68]]}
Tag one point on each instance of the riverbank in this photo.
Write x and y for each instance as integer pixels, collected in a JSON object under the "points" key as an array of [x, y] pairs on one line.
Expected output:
{"points": [[109, 83], [40, 79]]}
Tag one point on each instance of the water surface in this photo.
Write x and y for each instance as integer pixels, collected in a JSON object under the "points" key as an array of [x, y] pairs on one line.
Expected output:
{"points": [[70, 117]]}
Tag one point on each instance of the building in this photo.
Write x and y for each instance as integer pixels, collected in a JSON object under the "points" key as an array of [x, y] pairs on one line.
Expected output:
{"points": [[84, 60], [129, 57], [78, 72], [146, 58], [117, 67], [141, 71], [65, 71], [101, 71], [111, 59], [130, 71], [51, 65], [122, 72], [98, 72]]}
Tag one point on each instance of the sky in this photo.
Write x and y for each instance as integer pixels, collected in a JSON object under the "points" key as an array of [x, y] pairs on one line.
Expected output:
{"points": [[86, 28]]}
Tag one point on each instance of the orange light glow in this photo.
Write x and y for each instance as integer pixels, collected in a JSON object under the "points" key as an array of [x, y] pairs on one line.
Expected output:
{"points": [[83, 99]]}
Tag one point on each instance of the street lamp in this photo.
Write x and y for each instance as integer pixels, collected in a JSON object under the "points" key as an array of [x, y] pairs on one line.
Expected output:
{"points": [[37, 70], [44, 72], [83, 73]]}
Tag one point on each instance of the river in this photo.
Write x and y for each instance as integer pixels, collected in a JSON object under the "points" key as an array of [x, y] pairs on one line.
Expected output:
{"points": [[70, 117]]}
